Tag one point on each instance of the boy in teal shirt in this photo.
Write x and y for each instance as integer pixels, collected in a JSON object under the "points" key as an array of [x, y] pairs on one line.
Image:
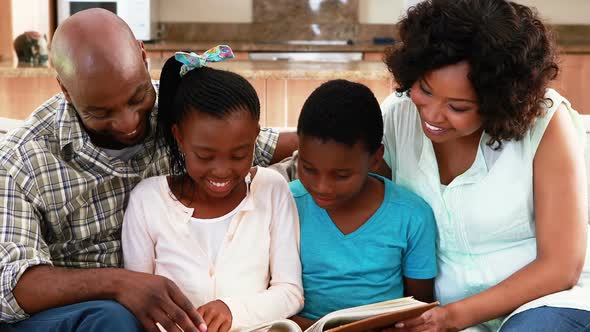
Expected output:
{"points": [[364, 239]]}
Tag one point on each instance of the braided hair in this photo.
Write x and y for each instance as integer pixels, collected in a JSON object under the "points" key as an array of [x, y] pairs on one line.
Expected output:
{"points": [[212, 91]]}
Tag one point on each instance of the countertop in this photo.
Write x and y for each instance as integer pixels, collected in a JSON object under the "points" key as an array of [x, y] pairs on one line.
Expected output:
{"points": [[240, 46], [568, 48], [362, 70]]}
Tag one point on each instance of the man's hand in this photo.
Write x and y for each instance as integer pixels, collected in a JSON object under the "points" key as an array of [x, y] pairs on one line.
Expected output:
{"points": [[152, 299], [156, 299], [287, 144], [217, 316]]}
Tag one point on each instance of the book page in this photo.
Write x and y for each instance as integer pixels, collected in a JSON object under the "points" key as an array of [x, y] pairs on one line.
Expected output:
{"points": [[341, 317], [384, 320], [281, 325], [345, 316]]}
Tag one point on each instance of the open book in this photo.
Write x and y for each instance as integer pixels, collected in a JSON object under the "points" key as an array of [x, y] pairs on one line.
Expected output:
{"points": [[356, 319]]}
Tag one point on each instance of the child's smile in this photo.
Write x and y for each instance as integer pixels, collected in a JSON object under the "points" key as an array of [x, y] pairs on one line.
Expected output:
{"points": [[219, 186], [217, 164]]}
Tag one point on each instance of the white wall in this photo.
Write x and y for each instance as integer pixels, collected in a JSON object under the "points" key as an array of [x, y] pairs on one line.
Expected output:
{"points": [[34, 14], [240, 11], [553, 11], [29, 15], [561, 11], [219, 11], [380, 11], [370, 11]]}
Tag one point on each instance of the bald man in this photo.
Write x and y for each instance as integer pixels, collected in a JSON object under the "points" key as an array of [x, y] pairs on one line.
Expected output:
{"points": [[65, 178]]}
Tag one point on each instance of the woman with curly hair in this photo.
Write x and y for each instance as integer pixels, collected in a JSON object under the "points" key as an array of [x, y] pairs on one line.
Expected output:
{"points": [[475, 131]]}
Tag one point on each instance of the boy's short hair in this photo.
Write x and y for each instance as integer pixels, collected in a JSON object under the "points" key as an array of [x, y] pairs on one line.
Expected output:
{"points": [[345, 112]]}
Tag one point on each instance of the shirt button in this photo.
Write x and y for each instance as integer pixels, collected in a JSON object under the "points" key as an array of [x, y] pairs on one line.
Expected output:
{"points": [[230, 237]]}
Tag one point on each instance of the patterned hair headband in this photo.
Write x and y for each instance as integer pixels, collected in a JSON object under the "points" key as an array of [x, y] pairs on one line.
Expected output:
{"points": [[192, 60]]}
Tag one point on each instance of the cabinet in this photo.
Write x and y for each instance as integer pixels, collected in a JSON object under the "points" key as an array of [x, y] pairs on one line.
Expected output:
{"points": [[6, 52], [20, 96], [573, 80], [283, 99], [280, 99], [373, 56]]}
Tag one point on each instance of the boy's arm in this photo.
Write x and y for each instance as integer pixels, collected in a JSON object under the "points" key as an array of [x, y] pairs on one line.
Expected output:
{"points": [[419, 260], [420, 289], [304, 323]]}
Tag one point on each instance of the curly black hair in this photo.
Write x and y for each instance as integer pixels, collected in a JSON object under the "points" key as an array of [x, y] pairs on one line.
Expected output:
{"points": [[212, 91], [345, 112], [510, 52]]}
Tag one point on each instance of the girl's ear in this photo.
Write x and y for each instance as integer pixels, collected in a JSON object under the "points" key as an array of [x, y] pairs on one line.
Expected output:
{"points": [[376, 159], [178, 137]]}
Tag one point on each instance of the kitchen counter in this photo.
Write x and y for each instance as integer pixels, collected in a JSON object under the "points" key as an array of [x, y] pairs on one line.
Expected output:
{"points": [[282, 86], [362, 70], [171, 46], [238, 46]]}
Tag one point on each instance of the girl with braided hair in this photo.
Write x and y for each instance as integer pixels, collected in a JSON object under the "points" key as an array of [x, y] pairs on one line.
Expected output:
{"points": [[225, 232]]}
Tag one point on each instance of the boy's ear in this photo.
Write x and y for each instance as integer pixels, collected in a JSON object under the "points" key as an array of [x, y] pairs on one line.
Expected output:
{"points": [[376, 159]]}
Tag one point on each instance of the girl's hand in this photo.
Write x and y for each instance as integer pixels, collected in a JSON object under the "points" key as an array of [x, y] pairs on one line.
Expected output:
{"points": [[217, 316], [434, 320]]}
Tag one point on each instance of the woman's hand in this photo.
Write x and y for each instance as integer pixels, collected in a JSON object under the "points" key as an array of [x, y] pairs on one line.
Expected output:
{"points": [[434, 320], [217, 316]]}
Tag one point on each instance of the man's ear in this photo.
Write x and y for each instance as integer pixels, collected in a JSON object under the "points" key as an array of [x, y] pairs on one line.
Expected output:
{"points": [[64, 90], [143, 53], [376, 159]]}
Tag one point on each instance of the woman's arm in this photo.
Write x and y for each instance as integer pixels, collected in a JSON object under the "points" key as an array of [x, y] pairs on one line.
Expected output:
{"points": [[560, 217], [559, 181]]}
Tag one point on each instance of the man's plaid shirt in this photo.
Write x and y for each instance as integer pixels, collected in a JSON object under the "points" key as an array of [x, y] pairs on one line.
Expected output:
{"points": [[62, 199]]}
